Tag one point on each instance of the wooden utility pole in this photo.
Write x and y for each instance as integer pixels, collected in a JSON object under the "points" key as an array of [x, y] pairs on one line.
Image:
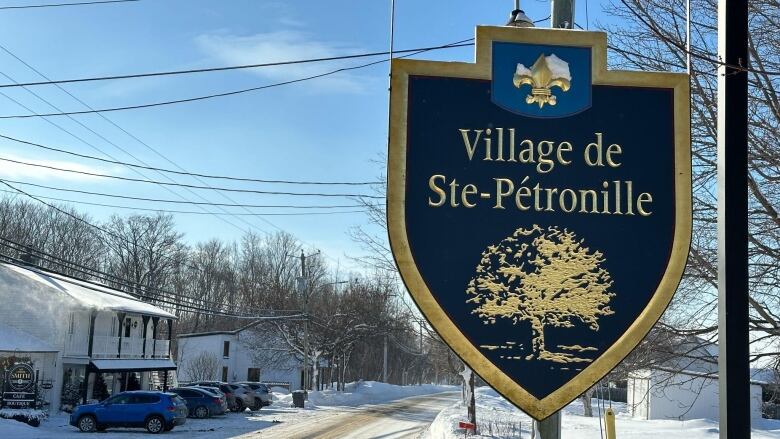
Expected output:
{"points": [[733, 293], [561, 17]]}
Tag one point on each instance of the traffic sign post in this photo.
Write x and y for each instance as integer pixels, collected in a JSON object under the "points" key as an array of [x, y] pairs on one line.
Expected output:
{"points": [[733, 293]]}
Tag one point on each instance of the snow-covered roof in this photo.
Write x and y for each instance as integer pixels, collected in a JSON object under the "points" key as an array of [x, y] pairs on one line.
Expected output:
{"points": [[87, 294], [15, 340]]}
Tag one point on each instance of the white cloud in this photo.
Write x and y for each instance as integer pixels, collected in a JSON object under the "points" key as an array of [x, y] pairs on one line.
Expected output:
{"points": [[285, 46], [18, 171]]}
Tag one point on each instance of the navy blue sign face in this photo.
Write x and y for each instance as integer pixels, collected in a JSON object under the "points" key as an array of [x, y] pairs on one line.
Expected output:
{"points": [[539, 214]]}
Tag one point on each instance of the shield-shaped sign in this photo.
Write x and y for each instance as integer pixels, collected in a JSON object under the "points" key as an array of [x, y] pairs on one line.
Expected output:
{"points": [[539, 206]]}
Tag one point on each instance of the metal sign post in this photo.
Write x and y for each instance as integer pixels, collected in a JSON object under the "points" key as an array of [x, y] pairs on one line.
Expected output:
{"points": [[733, 339]]}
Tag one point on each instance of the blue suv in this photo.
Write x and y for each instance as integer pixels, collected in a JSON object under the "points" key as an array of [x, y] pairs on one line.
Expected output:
{"points": [[155, 411]]}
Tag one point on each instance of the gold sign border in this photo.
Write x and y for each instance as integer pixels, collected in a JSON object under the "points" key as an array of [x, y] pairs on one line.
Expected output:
{"points": [[485, 35]]}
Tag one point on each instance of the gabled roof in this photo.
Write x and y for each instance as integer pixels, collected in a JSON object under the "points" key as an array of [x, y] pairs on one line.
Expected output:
{"points": [[15, 340], [233, 332], [27, 280]]}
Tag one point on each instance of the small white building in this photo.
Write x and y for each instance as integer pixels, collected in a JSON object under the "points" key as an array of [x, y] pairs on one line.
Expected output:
{"points": [[86, 341], [682, 387], [239, 355]]}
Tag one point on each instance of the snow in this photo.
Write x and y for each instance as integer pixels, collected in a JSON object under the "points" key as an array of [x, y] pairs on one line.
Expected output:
{"points": [[322, 405], [15, 340], [558, 67], [85, 293], [365, 392], [497, 418]]}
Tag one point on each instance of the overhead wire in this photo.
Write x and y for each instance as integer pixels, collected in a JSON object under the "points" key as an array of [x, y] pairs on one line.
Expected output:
{"points": [[228, 93], [91, 145], [188, 212], [226, 68], [192, 186], [160, 200], [57, 5], [171, 297], [192, 174]]}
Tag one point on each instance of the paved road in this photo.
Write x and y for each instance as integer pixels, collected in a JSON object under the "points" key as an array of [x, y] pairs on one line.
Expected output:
{"points": [[406, 418]]}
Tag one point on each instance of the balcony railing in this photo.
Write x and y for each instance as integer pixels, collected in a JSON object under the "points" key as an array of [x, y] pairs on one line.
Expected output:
{"points": [[161, 349], [108, 347], [76, 346], [105, 346]]}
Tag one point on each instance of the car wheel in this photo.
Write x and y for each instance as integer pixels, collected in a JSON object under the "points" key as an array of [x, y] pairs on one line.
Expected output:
{"points": [[155, 424], [239, 407], [87, 424], [201, 412]]}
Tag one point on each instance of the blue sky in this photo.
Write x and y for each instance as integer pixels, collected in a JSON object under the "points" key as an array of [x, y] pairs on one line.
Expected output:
{"points": [[331, 129]]}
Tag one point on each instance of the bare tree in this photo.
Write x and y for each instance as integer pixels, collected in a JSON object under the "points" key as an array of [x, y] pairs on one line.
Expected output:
{"points": [[201, 367]]}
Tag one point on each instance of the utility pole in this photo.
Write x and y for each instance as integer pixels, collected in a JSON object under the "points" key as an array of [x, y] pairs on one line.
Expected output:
{"points": [[561, 17], [733, 293], [384, 362], [562, 14], [302, 289]]}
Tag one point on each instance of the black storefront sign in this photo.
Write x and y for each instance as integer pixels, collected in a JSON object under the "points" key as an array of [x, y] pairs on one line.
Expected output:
{"points": [[19, 387]]}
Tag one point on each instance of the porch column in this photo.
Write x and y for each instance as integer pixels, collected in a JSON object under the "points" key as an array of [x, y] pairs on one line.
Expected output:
{"points": [[165, 381], [155, 322], [146, 324], [92, 317], [170, 336], [121, 317]]}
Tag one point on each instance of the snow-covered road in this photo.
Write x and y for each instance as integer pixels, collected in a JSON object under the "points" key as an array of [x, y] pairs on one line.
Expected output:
{"points": [[407, 418]]}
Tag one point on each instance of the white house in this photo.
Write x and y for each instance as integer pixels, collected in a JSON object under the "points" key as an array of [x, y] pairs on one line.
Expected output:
{"points": [[683, 386], [86, 341], [239, 355]]}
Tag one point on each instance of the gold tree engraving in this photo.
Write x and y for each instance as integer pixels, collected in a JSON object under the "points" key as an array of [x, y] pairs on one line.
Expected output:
{"points": [[546, 277]]}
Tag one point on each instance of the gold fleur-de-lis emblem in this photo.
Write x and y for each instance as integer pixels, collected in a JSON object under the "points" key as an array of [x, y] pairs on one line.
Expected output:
{"points": [[547, 72]]}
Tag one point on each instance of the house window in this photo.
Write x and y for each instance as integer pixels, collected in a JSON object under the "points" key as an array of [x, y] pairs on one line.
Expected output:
{"points": [[128, 324], [226, 349], [224, 373], [253, 374], [70, 323]]}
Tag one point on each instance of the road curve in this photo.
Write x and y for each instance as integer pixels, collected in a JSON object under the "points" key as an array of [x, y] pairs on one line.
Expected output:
{"points": [[406, 418]]}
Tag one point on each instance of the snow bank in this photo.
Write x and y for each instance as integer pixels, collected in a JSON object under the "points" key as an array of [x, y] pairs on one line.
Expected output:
{"points": [[497, 418], [10, 428], [363, 392]]}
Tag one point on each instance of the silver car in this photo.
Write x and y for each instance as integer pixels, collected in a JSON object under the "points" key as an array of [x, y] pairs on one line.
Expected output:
{"points": [[261, 392], [245, 397]]}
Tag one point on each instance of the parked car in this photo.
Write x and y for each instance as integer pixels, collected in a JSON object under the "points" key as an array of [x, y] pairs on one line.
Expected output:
{"points": [[262, 392], [225, 389], [245, 397], [201, 403], [155, 411]]}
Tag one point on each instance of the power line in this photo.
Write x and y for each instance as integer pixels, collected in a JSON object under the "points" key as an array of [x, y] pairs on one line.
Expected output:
{"points": [[110, 278], [190, 212], [227, 68], [193, 174], [229, 93], [57, 5], [159, 200], [80, 123], [192, 186]]}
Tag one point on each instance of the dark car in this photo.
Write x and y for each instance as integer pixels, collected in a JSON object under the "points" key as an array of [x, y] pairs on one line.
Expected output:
{"points": [[155, 411], [223, 387], [262, 393], [201, 402]]}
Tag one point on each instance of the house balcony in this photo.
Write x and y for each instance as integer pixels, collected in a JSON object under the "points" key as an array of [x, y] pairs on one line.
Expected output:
{"points": [[108, 347]]}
